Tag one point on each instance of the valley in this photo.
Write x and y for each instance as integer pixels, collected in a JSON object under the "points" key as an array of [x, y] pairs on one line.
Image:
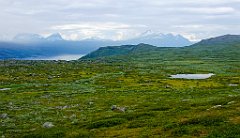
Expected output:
{"points": [[119, 69], [122, 96]]}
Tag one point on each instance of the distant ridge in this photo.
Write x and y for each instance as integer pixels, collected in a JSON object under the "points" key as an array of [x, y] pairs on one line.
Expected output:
{"points": [[222, 47], [119, 50], [225, 39], [34, 45], [160, 40], [29, 38]]}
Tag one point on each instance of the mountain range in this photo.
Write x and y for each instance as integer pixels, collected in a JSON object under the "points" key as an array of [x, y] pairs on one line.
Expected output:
{"points": [[34, 45], [222, 47]]}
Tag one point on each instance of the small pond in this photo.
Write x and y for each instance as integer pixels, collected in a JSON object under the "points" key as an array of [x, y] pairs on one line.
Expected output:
{"points": [[192, 76]]}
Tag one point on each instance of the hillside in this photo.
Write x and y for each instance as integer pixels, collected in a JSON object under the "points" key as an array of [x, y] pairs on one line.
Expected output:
{"points": [[35, 45], [227, 47], [119, 50]]}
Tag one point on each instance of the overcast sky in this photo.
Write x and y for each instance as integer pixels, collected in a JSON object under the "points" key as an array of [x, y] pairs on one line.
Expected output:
{"points": [[119, 19]]}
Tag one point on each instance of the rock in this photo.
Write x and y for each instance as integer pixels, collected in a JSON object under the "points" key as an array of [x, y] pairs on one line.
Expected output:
{"points": [[118, 109], [48, 125], [90, 103], [214, 107], [232, 102], [50, 77], [233, 85], [4, 116], [62, 107], [65, 107], [217, 106], [5, 89], [122, 109], [114, 107], [167, 86]]}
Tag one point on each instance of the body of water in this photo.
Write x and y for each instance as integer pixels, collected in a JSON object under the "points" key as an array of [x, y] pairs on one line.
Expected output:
{"points": [[192, 76], [67, 57]]}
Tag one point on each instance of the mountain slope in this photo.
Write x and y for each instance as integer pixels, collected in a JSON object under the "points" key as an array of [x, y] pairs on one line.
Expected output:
{"points": [[223, 47], [34, 45], [119, 50]]}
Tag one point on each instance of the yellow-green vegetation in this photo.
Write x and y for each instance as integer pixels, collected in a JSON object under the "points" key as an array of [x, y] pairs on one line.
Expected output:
{"points": [[74, 99]]}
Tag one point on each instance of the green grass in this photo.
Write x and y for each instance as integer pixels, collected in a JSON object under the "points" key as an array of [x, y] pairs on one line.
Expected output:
{"points": [[77, 98]]}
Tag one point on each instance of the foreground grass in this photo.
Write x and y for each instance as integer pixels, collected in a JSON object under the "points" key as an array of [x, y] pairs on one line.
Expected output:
{"points": [[76, 97]]}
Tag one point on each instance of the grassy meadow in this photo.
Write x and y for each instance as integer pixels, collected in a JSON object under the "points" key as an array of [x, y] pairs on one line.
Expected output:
{"points": [[76, 98]]}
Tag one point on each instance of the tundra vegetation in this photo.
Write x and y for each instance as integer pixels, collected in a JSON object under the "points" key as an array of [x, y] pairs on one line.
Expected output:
{"points": [[119, 98], [125, 92]]}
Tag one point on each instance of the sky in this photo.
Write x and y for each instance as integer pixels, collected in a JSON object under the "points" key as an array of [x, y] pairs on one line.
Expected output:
{"points": [[119, 19]]}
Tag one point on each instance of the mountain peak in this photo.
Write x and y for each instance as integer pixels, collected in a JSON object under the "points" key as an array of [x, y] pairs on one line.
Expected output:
{"points": [[147, 33], [160, 39], [55, 37]]}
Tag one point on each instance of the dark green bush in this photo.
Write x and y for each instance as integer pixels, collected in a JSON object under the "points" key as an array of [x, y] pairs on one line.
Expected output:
{"points": [[107, 123], [228, 131], [205, 121]]}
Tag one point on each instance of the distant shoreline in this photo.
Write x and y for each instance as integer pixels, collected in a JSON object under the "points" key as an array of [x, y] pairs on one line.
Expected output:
{"points": [[66, 57]]}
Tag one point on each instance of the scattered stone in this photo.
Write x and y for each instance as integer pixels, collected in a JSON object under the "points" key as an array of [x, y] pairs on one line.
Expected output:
{"points": [[76, 105], [48, 125], [4, 116], [50, 77], [232, 102], [214, 107], [118, 109], [32, 74], [114, 107], [217, 106], [122, 109], [62, 107], [5, 89], [233, 85], [167, 86], [90, 103], [65, 107]]}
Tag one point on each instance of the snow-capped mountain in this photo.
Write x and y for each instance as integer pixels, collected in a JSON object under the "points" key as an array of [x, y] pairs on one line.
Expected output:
{"points": [[26, 38], [55, 37], [148, 37], [159, 39], [34, 45]]}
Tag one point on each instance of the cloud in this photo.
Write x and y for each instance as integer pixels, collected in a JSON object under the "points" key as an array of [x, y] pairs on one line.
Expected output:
{"points": [[105, 30], [112, 19], [207, 10], [92, 26]]}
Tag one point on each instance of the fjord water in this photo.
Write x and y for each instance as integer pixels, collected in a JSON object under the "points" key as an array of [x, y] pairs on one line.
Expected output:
{"points": [[192, 76], [67, 57]]}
